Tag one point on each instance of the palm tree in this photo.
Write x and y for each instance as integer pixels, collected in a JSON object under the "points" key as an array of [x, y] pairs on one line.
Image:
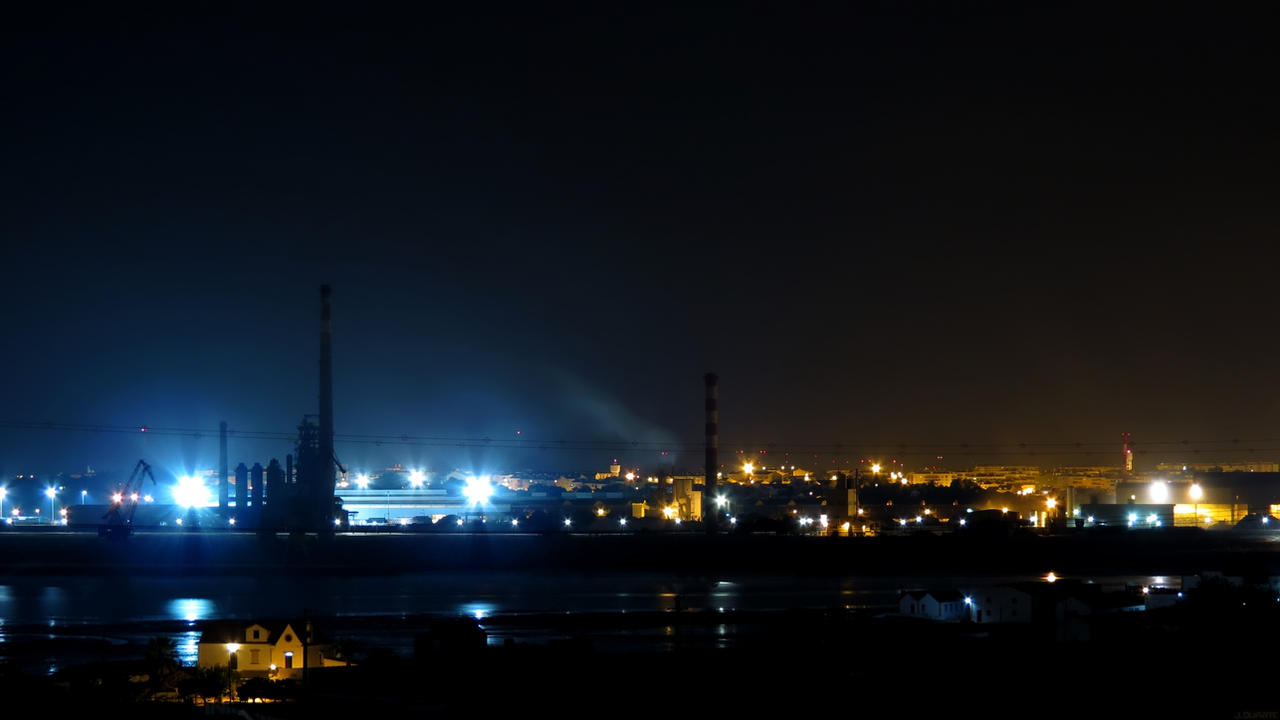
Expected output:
{"points": [[161, 662]]}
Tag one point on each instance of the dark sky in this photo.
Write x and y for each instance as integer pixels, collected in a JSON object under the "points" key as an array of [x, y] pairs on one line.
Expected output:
{"points": [[907, 225]]}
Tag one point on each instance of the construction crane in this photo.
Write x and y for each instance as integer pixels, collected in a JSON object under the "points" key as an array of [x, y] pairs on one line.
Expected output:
{"points": [[118, 522]]}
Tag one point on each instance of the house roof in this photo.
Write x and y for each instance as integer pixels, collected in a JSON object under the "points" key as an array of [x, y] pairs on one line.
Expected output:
{"points": [[228, 631], [941, 596]]}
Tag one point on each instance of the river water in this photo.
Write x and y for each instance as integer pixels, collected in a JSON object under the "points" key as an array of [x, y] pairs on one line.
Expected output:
{"points": [[51, 622]]}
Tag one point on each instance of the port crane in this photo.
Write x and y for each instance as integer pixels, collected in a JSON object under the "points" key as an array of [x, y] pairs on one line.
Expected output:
{"points": [[118, 522]]}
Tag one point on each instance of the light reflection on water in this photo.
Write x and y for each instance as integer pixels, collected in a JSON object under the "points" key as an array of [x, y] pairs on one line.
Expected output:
{"points": [[61, 604]]}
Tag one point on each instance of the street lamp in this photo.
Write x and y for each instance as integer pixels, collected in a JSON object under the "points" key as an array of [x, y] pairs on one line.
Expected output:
{"points": [[1196, 493], [82, 494], [51, 493], [3, 493]]}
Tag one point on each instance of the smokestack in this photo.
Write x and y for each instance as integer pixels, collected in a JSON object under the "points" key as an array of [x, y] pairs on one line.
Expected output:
{"points": [[242, 488], [275, 480], [324, 490], [709, 514], [223, 487], [256, 474], [1128, 455]]}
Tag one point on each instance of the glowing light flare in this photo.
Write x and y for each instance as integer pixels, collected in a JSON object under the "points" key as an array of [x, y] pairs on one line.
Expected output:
{"points": [[417, 479], [1159, 492], [478, 490], [748, 468], [362, 481], [1051, 577], [117, 497], [189, 492]]}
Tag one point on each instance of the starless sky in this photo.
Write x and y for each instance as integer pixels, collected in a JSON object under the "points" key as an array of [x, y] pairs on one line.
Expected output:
{"points": [[880, 225]]}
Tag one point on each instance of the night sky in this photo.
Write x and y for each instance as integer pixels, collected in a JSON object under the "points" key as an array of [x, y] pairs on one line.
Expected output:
{"points": [[907, 226]]}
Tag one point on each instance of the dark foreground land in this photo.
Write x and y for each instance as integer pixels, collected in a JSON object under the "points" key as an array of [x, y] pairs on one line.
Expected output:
{"points": [[1215, 655], [1213, 660]]}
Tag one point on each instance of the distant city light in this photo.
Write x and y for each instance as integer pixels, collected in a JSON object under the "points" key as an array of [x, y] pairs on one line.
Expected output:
{"points": [[748, 468], [417, 479], [362, 481], [875, 468], [515, 522], [1051, 577], [190, 492], [1196, 492], [117, 497], [1159, 492], [231, 521], [622, 522], [50, 493], [478, 490], [567, 522], [630, 476], [721, 501]]}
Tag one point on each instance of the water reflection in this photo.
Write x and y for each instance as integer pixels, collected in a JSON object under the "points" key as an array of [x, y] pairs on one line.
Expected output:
{"points": [[478, 610], [190, 609], [188, 648]]}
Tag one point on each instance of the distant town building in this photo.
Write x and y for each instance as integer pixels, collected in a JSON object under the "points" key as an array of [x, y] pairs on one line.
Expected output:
{"points": [[1252, 466], [940, 479], [943, 605]]}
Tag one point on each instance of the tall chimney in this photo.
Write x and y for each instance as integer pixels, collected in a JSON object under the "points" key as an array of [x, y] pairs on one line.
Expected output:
{"points": [[709, 514], [255, 475], [223, 484], [324, 489], [242, 488]]}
